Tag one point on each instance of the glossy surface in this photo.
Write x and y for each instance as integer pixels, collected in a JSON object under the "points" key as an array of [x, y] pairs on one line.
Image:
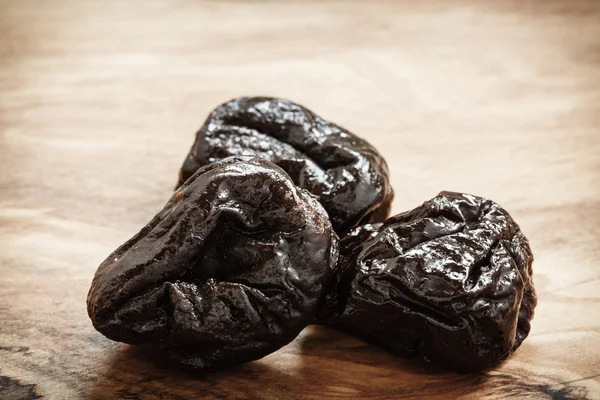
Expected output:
{"points": [[347, 174], [449, 280], [233, 268]]}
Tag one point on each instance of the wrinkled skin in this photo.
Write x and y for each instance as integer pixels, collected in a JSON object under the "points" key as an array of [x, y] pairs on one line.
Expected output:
{"points": [[232, 268], [347, 174], [450, 280]]}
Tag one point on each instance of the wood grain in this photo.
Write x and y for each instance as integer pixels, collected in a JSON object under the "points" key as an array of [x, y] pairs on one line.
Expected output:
{"points": [[98, 105]]}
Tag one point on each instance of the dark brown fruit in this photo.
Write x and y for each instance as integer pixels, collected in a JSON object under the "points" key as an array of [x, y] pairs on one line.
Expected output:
{"points": [[232, 269], [347, 174], [450, 280]]}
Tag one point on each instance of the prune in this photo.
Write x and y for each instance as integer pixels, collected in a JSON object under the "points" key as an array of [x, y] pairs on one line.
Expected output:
{"points": [[450, 280], [232, 268], [347, 174]]}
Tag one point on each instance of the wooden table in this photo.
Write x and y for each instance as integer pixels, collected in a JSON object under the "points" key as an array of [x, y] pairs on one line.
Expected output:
{"points": [[99, 102]]}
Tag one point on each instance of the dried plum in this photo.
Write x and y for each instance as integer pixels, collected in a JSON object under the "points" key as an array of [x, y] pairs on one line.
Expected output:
{"points": [[347, 174], [232, 268], [450, 280]]}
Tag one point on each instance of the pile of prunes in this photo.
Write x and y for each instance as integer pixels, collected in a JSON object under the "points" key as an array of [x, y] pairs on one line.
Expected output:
{"points": [[281, 219]]}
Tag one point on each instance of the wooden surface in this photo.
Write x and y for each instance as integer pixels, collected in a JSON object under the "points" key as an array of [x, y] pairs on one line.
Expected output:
{"points": [[99, 102]]}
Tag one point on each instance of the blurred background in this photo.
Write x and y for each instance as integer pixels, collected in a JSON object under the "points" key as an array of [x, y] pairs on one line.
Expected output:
{"points": [[99, 103], [470, 96]]}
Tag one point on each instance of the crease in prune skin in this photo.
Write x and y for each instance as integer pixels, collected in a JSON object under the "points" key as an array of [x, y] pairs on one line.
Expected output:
{"points": [[232, 269], [348, 175], [450, 280]]}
